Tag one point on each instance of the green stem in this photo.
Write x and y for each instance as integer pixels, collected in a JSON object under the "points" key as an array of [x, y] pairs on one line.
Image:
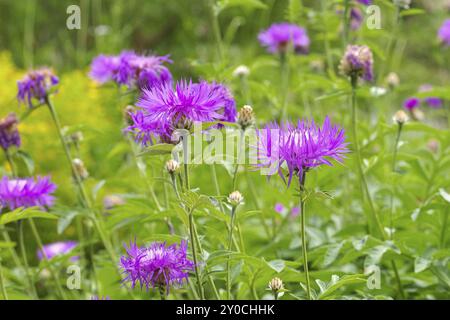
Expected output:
{"points": [[444, 229], [346, 22], [230, 245], [216, 185], [216, 30], [2, 283], [25, 260], [362, 178], [255, 197], [45, 258], [11, 163], [85, 199], [194, 255], [162, 292], [303, 234], [284, 68], [394, 164]]}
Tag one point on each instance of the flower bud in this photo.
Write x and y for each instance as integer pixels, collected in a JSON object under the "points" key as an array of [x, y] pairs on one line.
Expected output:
{"points": [[112, 201], [172, 166], [241, 71], [417, 114], [357, 62], [392, 80], [246, 117], [276, 284], [9, 134], [235, 198], [400, 117], [80, 169]]}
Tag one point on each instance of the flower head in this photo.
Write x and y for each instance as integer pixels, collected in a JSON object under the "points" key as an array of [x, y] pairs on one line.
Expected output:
{"points": [[15, 193], [279, 207], [55, 249], [279, 36], [235, 198], [246, 117], [37, 84], [158, 265], [444, 33], [172, 166], [411, 103], [400, 117], [276, 284], [9, 134], [164, 109], [299, 147], [131, 69], [433, 102], [357, 62], [356, 18]]}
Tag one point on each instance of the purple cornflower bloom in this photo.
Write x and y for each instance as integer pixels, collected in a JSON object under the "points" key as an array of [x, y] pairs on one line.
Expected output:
{"points": [[357, 62], [15, 193], [356, 18], [131, 70], [411, 103], [299, 147], [9, 135], [279, 36], [52, 250], [444, 33], [433, 102], [279, 208], [365, 2], [158, 265], [164, 109], [37, 84]]}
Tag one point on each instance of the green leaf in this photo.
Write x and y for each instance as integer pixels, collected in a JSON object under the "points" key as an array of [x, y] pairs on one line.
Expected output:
{"points": [[337, 283], [7, 244], [157, 149], [444, 195], [421, 264], [27, 159], [20, 214]]}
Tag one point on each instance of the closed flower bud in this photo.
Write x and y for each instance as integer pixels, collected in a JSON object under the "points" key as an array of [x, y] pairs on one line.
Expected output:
{"points": [[246, 117], [392, 80], [79, 168], [9, 135], [241, 71], [235, 198], [400, 117], [357, 62], [112, 201], [76, 137], [172, 166], [276, 284], [404, 4], [417, 114]]}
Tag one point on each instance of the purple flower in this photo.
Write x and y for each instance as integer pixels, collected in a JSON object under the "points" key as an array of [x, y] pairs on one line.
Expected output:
{"points": [[357, 62], [356, 18], [279, 36], [433, 102], [164, 109], [100, 298], [365, 2], [37, 84], [279, 208], [295, 211], [158, 265], [131, 69], [52, 250], [411, 103], [444, 33], [299, 147], [15, 193], [9, 134]]}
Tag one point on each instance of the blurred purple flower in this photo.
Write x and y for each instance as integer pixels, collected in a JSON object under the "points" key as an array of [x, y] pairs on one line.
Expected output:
{"points": [[444, 33], [411, 103], [52, 250], [357, 62], [15, 193], [156, 266], [300, 147], [279, 208], [164, 109], [131, 69], [37, 84], [365, 2], [433, 102], [295, 211], [9, 134], [279, 36], [100, 298], [356, 18]]}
